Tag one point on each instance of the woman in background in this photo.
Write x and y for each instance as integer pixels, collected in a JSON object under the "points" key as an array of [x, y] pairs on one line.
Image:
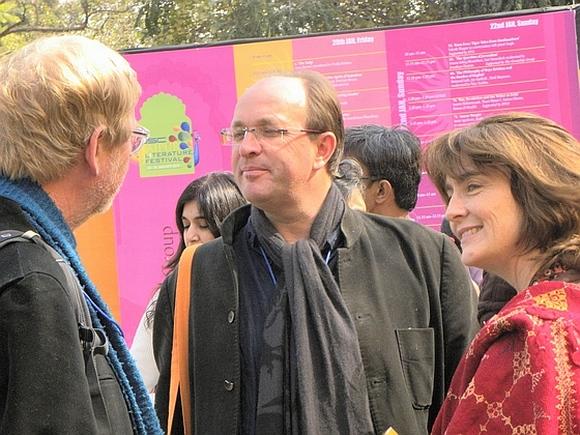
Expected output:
{"points": [[199, 212], [512, 188]]}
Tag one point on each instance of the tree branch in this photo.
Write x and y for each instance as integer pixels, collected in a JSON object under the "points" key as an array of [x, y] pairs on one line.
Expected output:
{"points": [[23, 27], [9, 28], [41, 29]]}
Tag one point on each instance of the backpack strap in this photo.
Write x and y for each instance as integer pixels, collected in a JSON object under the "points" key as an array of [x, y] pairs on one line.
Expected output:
{"points": [[73, 287], [93, 340], [179, 376]]}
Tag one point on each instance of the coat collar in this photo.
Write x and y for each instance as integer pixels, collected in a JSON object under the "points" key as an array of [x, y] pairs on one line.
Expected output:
{"points": [[351, 225]]}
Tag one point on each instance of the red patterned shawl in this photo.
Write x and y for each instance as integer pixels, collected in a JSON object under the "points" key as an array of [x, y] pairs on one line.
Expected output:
{"points": [[521, 373]]}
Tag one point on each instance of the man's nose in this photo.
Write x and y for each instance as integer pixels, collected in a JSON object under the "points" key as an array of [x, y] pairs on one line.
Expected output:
{"points": [[250, 145]]}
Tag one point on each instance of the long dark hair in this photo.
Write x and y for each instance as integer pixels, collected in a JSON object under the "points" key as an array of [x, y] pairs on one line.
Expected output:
{"points": [[217, 195]]}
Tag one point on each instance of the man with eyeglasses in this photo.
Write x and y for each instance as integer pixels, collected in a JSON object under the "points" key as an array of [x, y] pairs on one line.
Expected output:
{"points": [[67, 111], [308, 317], [390, 158]]}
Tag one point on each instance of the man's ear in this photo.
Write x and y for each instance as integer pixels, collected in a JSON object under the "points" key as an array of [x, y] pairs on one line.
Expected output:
{"points": [[325, 148], [385, 192], [94, 151]]}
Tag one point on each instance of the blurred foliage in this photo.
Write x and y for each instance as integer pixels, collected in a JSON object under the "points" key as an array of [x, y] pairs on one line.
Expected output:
{"points": [[218, 20], [115, 22], [466, 8], [146, 23]]}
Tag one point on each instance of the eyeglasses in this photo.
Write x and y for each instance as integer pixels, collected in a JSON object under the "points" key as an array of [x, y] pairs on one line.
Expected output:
{"points": [[267, 134], [138, 138]]}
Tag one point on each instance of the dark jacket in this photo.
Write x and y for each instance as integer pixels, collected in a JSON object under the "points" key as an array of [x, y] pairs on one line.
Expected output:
{"points": [[494, 293], [43, 386], [405, 287]]}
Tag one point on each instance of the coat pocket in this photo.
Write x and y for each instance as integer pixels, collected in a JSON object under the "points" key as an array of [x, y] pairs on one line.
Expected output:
{"points": [[417, 352]]}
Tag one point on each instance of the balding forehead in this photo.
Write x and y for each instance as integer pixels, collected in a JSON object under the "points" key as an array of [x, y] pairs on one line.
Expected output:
{"points": [[289, 89], [274, 100]]}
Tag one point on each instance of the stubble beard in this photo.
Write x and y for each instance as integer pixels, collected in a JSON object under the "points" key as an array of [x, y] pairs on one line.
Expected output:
{"points": [[100, 197]]}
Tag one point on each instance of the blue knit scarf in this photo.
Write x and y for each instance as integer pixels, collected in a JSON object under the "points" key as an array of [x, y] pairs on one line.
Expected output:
{"points": [[47, 220]]}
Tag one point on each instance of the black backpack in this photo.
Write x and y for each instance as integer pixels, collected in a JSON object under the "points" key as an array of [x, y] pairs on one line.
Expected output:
{"points": [[111, 412]]}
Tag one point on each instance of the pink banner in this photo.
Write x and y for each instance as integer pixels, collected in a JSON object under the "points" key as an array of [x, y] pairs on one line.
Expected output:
{"points": [[356, 65], [431, 78], [471, 70], [192, 93]]}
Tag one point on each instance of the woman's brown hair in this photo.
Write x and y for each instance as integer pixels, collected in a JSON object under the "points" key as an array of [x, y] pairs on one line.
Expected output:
{"points": [[542, 161]]}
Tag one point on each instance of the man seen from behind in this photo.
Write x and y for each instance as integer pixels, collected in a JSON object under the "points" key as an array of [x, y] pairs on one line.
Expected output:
{"points": [[68, 129]]}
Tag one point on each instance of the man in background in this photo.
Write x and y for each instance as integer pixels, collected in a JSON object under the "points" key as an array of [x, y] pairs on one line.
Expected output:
{"points": [[390, 158]]}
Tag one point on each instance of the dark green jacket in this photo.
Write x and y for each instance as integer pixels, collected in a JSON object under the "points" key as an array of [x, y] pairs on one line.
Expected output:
{"points": [[405, 286]]}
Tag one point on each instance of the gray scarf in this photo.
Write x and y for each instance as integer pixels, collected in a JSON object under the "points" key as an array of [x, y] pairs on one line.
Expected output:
{"points": [[326, 382]]}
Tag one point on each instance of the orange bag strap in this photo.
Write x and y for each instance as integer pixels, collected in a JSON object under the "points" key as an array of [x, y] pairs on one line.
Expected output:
{"points": [[179, 377]]}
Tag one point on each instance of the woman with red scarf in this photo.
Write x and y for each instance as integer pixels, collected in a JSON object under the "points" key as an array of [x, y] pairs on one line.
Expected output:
{"points": [[512, 188]]}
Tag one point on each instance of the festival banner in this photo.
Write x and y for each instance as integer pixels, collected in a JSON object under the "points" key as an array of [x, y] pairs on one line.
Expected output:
{"points": [[471, 70], [431, 79]]}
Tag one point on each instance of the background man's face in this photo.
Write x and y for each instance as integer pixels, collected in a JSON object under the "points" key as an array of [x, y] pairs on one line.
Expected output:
{"points": [[270, 172]]}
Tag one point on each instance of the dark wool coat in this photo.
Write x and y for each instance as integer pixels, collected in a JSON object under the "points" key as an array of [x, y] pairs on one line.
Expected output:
{"points": [[408, 293], [43, 386]]}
